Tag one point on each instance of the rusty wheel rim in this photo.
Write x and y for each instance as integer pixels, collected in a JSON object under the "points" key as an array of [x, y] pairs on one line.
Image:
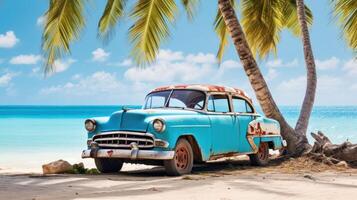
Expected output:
{"points": [[262, 151], [182, 158]]}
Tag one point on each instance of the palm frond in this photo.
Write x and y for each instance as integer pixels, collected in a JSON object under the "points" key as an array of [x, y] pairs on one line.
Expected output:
{"points": [[151, 27], [290, 17], [190, 7], [113, 11], [64, 21], [262, 24], [222, 32], [346, 11]]}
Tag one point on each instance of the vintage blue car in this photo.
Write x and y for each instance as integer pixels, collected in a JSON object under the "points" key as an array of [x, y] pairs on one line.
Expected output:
{"points": [[181, 125]]}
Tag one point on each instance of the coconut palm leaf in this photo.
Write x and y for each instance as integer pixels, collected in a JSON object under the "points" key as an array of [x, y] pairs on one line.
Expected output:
{"points": [[261, 21], [222, 33], [113, 11], [190, 7], [151, 27], [290, 17], [64, 21], [264, 20], [346, 11]]}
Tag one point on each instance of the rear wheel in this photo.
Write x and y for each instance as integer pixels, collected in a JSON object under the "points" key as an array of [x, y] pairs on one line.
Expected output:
{"points": [[261, 158], [182, 162], [108, 165]]}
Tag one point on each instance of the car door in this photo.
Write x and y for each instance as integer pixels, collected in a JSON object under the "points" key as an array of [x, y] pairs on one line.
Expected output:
{"points": [[244, 114], [222, 125]]}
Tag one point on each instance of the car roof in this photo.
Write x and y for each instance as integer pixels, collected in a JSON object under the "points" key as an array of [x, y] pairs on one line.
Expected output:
{"points": [[206, 88]]}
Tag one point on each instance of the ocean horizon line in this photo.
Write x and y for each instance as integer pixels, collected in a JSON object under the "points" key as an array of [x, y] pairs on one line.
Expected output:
{"points": [[121, 105]]}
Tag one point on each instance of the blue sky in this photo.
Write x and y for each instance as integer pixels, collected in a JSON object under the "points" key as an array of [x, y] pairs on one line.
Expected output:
{"points": [[104, 74]]}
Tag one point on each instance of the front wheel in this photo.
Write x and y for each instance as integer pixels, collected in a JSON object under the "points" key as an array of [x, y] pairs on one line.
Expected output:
{"points": [[108, 165], [261, 158], [182, 162]]}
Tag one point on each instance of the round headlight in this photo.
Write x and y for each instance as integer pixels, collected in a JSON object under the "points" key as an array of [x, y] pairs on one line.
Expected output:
{"points": [[90, 125], [159, 125]]}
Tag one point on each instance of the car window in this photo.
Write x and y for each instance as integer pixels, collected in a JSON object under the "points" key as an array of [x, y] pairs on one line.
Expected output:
{"points": [[176, 99], [241, 105], [187, 99], [176, 103], [158, 100], [199, 105], [218, 103]]}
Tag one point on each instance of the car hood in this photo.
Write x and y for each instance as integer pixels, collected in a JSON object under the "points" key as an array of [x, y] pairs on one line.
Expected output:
{"points": [[138, 119]]}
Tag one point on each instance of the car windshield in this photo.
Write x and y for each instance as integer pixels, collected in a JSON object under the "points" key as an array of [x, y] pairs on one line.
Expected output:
{"points": [[192, 99]]}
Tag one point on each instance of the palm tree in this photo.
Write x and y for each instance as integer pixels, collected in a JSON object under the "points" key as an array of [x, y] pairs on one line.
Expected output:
{"points": [[303, 121], [297, 141], [346, 12], [262, 20]]}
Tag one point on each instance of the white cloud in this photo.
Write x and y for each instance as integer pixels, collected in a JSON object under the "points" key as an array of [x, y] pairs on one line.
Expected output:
{"points": [[40, 21], [125, 63], [95, 84], [280, 63], [170, 68], [175, 67], [36, 70], [76, 77], [168, 55], [8, 39], [100, 55], [30, 59], [5, 79], [230, 64], [351, 67], [201, 58], [293, 85], [272, 74], [327, 64], [62, 65]]}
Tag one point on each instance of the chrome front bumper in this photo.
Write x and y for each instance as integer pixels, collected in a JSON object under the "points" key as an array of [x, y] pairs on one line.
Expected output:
{"points": [[132, 154]]}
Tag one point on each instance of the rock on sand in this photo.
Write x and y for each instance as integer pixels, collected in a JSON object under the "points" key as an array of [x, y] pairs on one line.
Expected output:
{"points": [[56, 167]]}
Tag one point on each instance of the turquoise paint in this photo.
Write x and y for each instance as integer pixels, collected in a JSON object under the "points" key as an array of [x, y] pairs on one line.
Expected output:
{"points": [[224, 134], [242, 124], [214, 133]]}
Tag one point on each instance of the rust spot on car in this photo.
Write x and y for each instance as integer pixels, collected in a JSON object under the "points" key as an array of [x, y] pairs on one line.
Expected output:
{"points": [[222, 155], [208, 88], [110, 153]]}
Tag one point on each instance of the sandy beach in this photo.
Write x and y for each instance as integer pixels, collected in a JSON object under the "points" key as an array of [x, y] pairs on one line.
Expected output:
{"points": [[229, 179]]}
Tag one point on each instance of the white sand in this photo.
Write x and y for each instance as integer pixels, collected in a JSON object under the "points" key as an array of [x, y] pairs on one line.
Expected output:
{"points": [[211, 181], [155, 185], [16, 162]]}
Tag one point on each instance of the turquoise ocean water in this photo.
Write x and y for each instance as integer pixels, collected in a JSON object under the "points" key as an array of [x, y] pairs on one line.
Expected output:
{"points": [[60, 128]]}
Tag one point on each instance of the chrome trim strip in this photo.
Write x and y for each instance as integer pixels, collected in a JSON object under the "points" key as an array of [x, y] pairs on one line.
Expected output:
{"points": [[248, 114], [254, 136], [124, 138], [125, 132], [150, 141], [125, 145], [127, 153], [190, 126]]}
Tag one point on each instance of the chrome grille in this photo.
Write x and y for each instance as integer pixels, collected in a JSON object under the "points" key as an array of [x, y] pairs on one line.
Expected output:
{"points": [[121, 139]]}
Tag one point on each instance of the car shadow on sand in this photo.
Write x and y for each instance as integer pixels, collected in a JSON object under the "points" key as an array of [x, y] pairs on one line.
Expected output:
{"points": [[214, 167]]}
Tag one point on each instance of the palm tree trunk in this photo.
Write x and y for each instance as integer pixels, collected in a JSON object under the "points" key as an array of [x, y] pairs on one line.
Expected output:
{"points": [[303, 121], [255, 76]]}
